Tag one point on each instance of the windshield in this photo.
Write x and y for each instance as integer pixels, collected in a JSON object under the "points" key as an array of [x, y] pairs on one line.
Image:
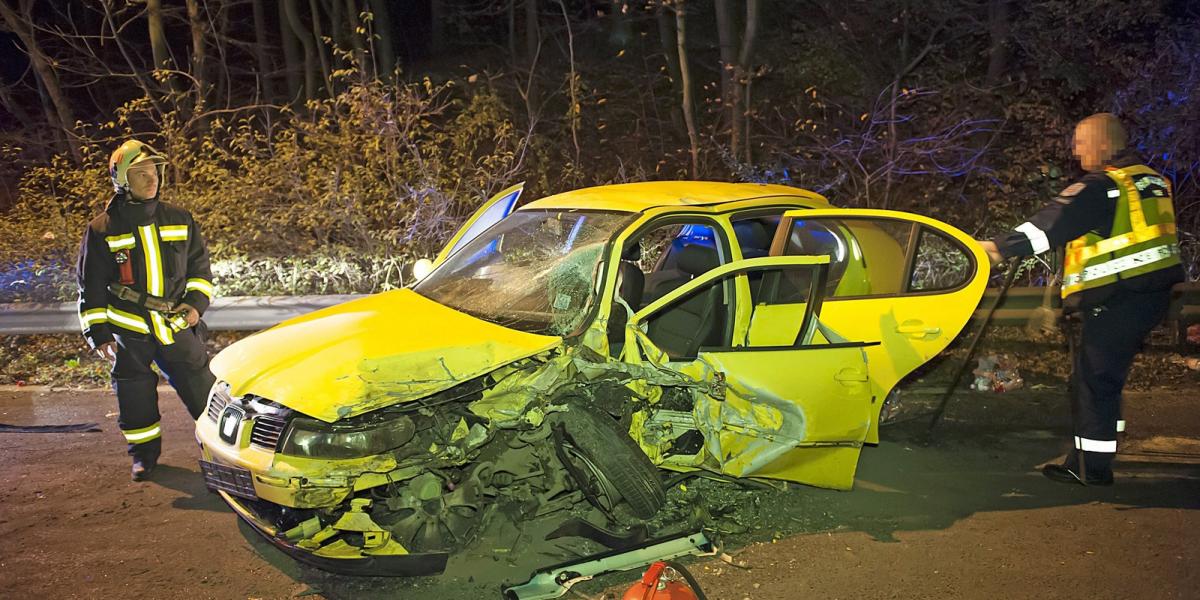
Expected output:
{"points": [[534, 271]]}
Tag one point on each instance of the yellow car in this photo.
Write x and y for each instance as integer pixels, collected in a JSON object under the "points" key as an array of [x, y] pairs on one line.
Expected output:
{"points": [[560, 355]]}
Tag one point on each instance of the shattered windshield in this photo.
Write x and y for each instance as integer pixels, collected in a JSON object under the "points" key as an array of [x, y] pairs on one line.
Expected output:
{"points": [[534, 271]]}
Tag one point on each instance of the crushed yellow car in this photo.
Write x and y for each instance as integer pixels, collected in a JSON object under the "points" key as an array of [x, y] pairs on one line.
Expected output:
{"points": [[563, 354]]}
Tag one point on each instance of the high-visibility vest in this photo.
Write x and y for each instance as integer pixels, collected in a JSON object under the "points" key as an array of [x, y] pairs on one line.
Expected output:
{"points": [[1142, 239]]}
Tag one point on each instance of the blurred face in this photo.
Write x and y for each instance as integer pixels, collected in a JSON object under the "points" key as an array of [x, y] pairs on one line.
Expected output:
{"points": [[143, 180], [1093, 145]]}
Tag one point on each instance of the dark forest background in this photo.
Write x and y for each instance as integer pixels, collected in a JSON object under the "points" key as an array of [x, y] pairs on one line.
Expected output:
{"points": [[325, 144]]}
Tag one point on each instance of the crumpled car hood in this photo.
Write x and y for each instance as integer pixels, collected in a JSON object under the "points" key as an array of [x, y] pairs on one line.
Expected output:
{"points": [[365, 354]]}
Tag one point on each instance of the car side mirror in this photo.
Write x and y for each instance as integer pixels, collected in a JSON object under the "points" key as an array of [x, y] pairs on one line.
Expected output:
{"points": [[421, 269]]}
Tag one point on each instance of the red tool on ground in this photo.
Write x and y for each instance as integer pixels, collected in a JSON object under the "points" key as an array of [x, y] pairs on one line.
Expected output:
{"points": [[662, 581]]}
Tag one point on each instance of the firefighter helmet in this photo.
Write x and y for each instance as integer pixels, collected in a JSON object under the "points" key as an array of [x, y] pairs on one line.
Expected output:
{"points": [[128, 154]]}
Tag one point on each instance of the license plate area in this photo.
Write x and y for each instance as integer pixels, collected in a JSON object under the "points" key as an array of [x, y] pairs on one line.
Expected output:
{"points": [[232, 480]]}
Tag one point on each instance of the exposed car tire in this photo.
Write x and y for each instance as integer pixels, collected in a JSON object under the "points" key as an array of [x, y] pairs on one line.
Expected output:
{"points": [[600, 441]]}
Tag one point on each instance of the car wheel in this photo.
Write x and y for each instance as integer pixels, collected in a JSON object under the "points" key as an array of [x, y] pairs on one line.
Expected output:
{"points": [[606, 464]]}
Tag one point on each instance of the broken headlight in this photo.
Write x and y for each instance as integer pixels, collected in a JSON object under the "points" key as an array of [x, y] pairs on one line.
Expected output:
{"points": [[312, 438]]}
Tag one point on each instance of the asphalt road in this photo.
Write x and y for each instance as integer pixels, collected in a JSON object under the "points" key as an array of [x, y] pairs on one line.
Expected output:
{"points": [[964, 515]]}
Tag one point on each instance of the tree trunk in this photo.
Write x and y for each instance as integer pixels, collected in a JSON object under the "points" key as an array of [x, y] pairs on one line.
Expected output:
{"points": [[666, 38], [337, 26], [998, 29], [199, 58], [728, 55], [267, 89], [512, 30], [310, 52], [685, 81], [533, 44], [741, 77], [319, 44], [385, 53], [291, 54], [62, 118], [159, 49], [532, 36], [356, 38]]}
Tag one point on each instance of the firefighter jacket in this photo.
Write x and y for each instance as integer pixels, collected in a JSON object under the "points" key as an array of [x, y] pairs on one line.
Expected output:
{"points": [[1119, 230], [151, 247]]}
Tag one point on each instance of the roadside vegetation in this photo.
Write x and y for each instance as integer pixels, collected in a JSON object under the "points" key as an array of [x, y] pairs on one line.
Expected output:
{"points": [[330, 167]]}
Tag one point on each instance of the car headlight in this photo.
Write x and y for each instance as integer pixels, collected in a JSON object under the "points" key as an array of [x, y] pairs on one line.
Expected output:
{"points": [[312, 438]]}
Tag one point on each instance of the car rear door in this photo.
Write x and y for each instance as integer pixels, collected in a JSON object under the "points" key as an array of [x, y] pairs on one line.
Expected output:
{"points": [[795, 402], [906, 280]]}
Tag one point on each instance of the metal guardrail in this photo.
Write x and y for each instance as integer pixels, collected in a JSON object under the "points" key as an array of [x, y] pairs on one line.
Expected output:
{"points": [[251, 313], [243, 313]]}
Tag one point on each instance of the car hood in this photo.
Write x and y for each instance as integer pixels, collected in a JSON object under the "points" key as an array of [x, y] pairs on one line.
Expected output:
{"points": [[365, 354]]}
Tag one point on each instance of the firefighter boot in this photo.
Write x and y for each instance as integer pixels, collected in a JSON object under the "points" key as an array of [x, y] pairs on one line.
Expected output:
{"points": [[141, 469]]}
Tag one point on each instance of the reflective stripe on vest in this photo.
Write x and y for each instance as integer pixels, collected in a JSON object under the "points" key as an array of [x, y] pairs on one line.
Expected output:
{"points": [[154, 280], [1125, 263], [1093, 262]]}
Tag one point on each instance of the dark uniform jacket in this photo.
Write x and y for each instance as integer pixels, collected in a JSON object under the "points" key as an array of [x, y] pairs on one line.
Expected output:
{"points": [[1086, 205], [176, 250]]}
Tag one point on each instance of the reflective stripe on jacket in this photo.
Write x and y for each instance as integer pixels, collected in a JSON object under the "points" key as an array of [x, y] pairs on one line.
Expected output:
{"points": [[167, 257]]}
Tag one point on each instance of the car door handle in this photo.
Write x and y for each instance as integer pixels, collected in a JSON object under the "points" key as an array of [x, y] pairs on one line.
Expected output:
{"points": [[851, 375], [916, 328]]}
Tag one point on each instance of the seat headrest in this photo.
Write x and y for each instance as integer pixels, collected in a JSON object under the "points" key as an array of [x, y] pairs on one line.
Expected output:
{"points": [[695, 259], [632, 252], [752, 235]]}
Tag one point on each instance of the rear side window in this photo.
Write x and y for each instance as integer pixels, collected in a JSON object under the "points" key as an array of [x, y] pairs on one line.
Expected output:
{"points": [[881, 256]]}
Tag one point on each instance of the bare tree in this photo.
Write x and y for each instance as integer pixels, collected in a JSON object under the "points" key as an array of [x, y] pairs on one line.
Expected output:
{"points": [[199, 61], [735, 68], [385, 52], [292, 58], [310, 51], [685, 82], [670, 49], [62, 117], [319, 43], [260, 51], [356, 37]]}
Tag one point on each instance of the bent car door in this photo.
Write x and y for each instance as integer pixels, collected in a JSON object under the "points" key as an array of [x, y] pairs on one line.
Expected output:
{"points": [[909, 281], [789, 398], [491, 212]]}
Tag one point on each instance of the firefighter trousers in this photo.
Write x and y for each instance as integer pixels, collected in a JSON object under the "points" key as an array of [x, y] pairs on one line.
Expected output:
{"points": [[1110, 337], [185, 363]]}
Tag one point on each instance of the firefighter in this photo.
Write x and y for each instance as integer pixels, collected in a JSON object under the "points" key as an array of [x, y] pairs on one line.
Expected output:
{"points": [[144, 281], [1121, 260]]}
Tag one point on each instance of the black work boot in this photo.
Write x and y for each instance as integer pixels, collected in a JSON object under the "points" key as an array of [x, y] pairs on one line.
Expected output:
{"points": [[1069, 471], [141, 469]]}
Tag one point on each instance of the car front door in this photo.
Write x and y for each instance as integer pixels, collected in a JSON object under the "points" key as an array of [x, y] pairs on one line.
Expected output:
{"points": [[908, 281], [788, 398], [491, 212]]}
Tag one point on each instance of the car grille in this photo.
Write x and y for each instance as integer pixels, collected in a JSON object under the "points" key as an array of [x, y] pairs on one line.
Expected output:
{"points": [[267, 429], [216, 405]]}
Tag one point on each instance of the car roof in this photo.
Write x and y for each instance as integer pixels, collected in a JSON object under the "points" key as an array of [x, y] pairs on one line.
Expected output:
{"points": [[641, 196]]}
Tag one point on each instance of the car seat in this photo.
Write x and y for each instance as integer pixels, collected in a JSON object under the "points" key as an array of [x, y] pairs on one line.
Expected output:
{"points": [[694, 321]]}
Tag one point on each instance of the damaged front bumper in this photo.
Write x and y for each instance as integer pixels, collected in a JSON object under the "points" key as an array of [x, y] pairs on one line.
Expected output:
{"points": [[339, 557]]}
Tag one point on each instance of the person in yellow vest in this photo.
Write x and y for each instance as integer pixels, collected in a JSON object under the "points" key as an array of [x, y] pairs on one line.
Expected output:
{"points": [[1121, 260], [144, 280]]}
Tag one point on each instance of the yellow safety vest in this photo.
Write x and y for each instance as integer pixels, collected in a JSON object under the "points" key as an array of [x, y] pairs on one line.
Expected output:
{"points": [[1142, 238]]}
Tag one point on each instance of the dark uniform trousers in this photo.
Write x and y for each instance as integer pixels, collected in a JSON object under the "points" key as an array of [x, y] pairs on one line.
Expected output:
{"points": [[1111, 335], [185, 363]]}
